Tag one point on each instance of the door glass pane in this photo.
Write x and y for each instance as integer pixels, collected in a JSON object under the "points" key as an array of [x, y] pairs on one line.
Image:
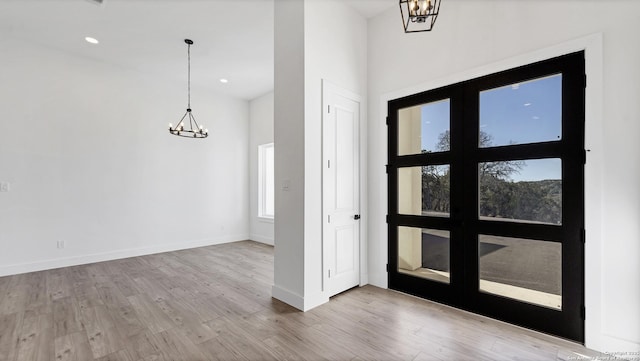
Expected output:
{"points": [[521, 190], [522, 269], [424, 253], [520, 113], [424, 191], [424, 128]]}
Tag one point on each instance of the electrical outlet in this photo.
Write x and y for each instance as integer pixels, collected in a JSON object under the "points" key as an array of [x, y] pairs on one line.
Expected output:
{"points": [[4, 186], [60, 244]]}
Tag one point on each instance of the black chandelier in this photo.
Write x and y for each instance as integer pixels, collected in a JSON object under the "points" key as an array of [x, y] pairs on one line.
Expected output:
{"points": [[194, 130], [419, 15]]}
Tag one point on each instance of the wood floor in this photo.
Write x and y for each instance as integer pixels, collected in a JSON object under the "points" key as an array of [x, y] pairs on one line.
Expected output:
{"points": [[214, 303]]}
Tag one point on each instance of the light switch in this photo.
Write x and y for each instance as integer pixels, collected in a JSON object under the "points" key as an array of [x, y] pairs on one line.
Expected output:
{"points": [[286, 184], [4, 186]]}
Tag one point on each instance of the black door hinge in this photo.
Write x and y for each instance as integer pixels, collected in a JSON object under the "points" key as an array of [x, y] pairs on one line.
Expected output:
{"points": [[387, 267], [584, 236], [386, 168], [387, 122], [583, 313], [387, 218]]}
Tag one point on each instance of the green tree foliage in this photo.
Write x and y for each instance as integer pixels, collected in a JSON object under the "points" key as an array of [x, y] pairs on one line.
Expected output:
{"points": [[435, 189], [538, 201]]}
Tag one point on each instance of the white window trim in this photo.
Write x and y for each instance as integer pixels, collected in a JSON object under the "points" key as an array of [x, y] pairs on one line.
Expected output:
{"points": [[262, 184]]}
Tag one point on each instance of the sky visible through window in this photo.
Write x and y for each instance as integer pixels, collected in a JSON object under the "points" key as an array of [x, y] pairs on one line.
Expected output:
{"points": [[520, 113]]}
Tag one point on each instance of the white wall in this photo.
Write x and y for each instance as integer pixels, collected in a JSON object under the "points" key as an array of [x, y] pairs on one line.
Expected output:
{"points": [[86, 150], [335, 51], [260, 132], [473, 38], [288, 132], [314, 40]]}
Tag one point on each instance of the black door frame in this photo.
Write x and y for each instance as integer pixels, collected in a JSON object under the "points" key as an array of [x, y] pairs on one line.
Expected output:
{"points": [[464, 223]]}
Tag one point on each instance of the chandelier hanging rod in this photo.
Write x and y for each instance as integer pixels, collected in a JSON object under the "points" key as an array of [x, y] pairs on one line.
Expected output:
{"points": [[189, 43]]}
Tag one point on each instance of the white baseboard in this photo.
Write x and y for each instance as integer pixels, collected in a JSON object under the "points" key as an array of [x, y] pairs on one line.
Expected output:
{"points": [[112, 255], [302, 303], [261, 239], [287, 297], [314, 301], [364, 279], [378, 279], [618, 347]]}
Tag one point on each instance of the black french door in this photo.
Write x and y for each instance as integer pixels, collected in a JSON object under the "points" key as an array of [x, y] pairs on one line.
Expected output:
{"points": [[486, 195]]}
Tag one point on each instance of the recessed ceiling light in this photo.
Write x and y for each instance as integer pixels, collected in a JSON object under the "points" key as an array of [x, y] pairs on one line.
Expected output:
{"points": [[91, 40], [223, 80]]}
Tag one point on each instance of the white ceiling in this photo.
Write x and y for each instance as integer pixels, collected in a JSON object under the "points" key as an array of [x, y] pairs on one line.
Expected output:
{"points": [[371, 8], [233, 39]]}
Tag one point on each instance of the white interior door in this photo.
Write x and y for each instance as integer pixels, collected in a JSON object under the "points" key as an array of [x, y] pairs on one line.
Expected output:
{"points": [[341, 189]]}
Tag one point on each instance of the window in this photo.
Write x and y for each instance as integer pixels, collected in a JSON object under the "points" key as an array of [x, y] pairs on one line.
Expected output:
{"points": [[266, 184]]}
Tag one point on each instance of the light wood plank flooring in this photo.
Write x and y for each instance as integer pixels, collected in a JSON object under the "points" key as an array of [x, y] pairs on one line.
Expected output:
{"points": [[215, 303]]}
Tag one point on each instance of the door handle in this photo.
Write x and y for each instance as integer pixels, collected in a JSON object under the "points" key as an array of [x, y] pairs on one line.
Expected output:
{"points": [[356, 217]]}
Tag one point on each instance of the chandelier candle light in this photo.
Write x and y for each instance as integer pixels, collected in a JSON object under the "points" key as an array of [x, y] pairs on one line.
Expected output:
{"points": [[419, 15], [194, 130]]}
